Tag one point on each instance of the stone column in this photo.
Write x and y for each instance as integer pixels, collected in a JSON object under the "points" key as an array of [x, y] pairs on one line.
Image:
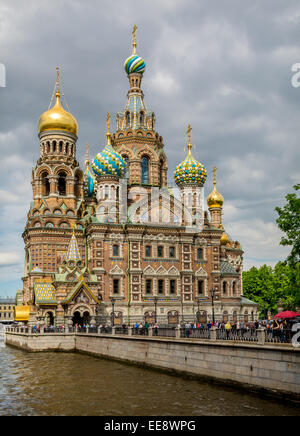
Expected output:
{"points": [[150, 332], [53, 180], [213, 333], [261, 336]]}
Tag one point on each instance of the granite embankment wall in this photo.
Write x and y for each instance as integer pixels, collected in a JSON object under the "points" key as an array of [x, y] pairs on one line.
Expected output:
{"points": [[272, 368]]}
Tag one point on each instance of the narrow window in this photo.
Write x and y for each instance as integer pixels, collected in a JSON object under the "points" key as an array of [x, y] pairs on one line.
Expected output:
{"points": [[172, 287], [224, 288], [148, 286], [62, 184], [160, 286], [115, 250], [116, 284], [160, 251], [200, 287], [200, 253], [148, 251], [172, 252], [145, 170]]}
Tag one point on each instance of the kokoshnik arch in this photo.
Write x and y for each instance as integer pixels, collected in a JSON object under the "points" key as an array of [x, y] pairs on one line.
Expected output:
{"points": [[112, 243]]}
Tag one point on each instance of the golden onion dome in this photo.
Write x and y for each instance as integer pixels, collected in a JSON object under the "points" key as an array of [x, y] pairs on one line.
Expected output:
{"points": [[224, 239], [57, 118], [215, 199]]}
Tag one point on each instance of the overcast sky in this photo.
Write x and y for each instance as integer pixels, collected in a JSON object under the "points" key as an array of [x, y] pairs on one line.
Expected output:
{"points": [[222, 66]]}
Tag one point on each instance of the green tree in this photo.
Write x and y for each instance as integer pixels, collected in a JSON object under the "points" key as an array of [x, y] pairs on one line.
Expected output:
{"points": [[289, 222]]}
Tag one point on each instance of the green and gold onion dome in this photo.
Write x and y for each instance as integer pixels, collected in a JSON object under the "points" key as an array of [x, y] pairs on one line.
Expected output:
{"points": [[190, 171], [57, 118], [134, 64], [215, 199], [108, 162]]}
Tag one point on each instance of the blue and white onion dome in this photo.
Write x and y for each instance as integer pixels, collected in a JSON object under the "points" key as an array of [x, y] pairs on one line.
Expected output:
{"points": [[109, 163], [134, 64]]}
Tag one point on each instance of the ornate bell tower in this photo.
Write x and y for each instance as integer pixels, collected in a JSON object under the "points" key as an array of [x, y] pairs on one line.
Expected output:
{"points": [[136, 139], [57, 184]]}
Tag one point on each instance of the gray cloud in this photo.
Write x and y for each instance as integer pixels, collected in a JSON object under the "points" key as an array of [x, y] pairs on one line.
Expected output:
{"points": [[224, 67]]}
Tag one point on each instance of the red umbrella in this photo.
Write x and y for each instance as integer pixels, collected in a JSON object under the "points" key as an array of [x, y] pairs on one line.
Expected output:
{"points": [[287, 314]]}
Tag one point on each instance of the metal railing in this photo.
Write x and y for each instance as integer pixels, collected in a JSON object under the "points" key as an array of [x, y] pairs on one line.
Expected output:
{"points": [[249, 335], [219, 334]]}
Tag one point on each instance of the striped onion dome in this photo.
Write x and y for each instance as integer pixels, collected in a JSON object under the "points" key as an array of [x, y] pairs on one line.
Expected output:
{"points": [[109, 163], [190, 171], [134, 64]]}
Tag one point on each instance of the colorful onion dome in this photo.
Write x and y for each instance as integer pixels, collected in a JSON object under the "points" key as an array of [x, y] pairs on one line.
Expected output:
{"points": [[134, 64], [190, 171], [224, 239], [215, 199], [57, 118], [108, 162]]}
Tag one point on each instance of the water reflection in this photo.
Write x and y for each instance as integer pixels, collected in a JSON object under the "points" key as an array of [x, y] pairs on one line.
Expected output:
{"points": [[75, 384]]}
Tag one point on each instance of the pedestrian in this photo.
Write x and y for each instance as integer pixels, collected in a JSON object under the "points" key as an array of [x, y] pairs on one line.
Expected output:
{"points": [[155, 329], [187, 329], [227, 328]]}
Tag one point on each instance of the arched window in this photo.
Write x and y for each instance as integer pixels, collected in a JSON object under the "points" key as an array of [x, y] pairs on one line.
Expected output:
{"points": [[233, 288], [145, 169], [62, 183], [60, 146], [142, 118], [224, 288], [45, 184]]}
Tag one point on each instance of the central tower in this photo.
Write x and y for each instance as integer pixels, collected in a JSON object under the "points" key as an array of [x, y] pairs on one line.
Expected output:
{"points": [[135, 139]]}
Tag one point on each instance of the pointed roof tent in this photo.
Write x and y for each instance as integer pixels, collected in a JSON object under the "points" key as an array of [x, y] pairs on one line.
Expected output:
{"points": [[73, 250]]}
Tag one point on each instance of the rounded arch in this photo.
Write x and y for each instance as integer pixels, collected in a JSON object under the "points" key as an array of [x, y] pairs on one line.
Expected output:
{"points": [[126, 151], [64, 225], [41, 169], [147, 151], [49, 224], [36, 223], [63, 168]]}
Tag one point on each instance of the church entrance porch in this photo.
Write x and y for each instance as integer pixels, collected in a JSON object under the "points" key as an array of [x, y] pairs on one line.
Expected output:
{"points": [[81, 319]]}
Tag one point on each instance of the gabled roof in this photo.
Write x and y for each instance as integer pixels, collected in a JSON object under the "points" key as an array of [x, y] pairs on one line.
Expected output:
{"points": [[77, 288]]}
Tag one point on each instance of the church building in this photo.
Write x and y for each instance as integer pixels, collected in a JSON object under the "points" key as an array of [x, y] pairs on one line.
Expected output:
{"points": [[115, 243]]}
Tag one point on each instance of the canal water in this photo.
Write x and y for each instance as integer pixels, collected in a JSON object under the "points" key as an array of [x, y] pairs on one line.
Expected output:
{"points": [[77, 384]]}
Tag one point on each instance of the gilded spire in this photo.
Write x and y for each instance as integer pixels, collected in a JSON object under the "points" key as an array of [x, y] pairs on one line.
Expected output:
{"points": [[108, 134], [189, 136], [215, 199], [214, 173], [87, 161], [57, 83], [134, 39]]}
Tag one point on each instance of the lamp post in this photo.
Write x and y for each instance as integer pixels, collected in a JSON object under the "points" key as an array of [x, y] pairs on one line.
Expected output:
{"points": [[181, 300], [212, 304], [113, 310], [198, 313], [155, 305]]}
